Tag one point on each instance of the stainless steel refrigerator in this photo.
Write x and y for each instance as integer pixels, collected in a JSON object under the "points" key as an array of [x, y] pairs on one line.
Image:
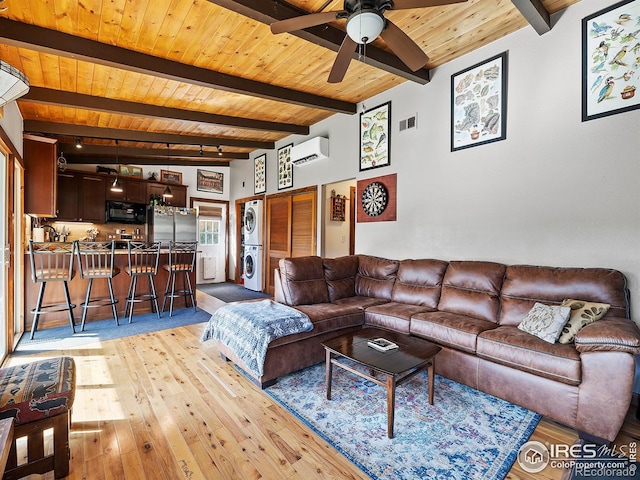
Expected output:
{"points": [[166, 224]]}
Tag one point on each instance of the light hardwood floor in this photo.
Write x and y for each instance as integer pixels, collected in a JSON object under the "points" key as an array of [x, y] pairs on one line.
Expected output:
{"points": [[165, 406]]}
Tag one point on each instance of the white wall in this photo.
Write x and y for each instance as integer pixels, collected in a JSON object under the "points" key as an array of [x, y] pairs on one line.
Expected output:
{"points": [[557, 191], [12, 123], [335, 234]]}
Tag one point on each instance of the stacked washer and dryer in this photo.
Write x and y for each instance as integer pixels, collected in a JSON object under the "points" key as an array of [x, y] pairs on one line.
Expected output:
{"points": [[253, 245]]}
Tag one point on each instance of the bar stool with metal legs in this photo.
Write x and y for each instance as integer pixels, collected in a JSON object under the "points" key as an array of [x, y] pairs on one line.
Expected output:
{"points": [[143, 260], [182, 259], [52, 262], [95, 260]]}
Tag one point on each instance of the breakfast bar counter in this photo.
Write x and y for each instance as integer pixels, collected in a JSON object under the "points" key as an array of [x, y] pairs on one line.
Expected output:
{"points": [[54, 293]]}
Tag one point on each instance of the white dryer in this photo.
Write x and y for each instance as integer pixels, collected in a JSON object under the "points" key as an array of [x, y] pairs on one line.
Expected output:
{"points": [[253, 267], [253, 223]]}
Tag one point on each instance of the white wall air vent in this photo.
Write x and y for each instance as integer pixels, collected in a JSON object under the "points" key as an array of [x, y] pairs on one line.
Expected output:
{"points": [[315, 149], [409, 123]]}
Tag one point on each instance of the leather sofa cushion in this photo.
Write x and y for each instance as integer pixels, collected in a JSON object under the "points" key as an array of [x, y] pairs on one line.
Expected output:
{"points": [[393, 315], [419, 282], [517, 349], [472, 288], [376, 276], [340, 274], [525, 285], [303, 280], [458, 331], [360, 302], [326, 317]]}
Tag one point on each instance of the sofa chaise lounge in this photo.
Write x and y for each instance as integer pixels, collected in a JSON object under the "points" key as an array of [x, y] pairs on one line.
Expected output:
{"points": [[472, 310]]}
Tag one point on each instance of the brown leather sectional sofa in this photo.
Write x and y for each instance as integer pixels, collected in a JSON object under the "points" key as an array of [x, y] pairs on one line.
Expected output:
{"points": [[472, 309]]}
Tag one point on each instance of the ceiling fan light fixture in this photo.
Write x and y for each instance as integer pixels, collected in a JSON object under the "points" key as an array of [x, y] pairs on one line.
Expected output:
{"points": [[13, 83], [364, 27]]}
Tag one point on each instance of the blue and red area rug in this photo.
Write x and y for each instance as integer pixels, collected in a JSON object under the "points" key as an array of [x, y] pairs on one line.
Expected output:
{"points": [[465, 435]]}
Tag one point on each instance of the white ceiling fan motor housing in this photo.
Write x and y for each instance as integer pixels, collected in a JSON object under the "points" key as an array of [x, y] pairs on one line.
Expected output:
{"points": [[364, 27]]}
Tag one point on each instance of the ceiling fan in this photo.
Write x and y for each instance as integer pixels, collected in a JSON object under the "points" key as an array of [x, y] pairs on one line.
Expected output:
{"points": [[365, 22]]}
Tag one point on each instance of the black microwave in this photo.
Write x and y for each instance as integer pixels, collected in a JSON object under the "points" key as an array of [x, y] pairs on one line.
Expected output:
{"points": [[123, 212]]}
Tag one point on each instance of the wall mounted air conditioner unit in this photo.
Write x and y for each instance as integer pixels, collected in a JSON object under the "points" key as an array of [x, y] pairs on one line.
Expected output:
{"points": [[315, 149]]}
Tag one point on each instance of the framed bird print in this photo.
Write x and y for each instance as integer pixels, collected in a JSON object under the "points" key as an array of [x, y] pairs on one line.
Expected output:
{"points": [[375, 137], [611, 60], [260, 174], [285, 167], [479, 104]]}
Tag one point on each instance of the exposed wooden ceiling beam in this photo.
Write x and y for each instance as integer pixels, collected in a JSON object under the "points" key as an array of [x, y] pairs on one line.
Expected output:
{"points": [[49, 41], [268, 11], [152, 153], [51, 128], [535, 13], [61, 98], [109, 160]]}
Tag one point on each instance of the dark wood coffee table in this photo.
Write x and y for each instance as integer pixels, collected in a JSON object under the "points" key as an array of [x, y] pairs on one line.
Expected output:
{"points": [[399, 365]]}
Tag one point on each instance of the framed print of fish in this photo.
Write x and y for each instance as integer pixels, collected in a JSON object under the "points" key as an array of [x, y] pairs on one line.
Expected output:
{"points": [[611, 60], [479, 104], [260, 174], [285, 167], [375, 137]]}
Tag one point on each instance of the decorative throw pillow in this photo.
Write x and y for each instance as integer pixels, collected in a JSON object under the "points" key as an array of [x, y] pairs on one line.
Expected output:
{"points": [[545, 321], [582, 314]]}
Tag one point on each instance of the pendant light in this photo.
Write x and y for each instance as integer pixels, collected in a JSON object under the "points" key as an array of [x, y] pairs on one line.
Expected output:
{"points": [[167, 191], [116, 187]]}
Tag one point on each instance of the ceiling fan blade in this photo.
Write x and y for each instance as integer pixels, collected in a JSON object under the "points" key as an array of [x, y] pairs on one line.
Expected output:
{"points": [[405, 48], [405, 4], [339, 69], [304, 21]]}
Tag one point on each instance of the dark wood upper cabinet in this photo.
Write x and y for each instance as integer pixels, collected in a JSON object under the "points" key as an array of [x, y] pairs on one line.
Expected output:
{"points": [[40, 176], [81, 197], [134, 191], [179, 199]]}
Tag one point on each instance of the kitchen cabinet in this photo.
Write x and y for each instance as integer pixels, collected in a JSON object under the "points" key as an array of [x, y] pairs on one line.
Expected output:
{"points": [[40, 176], [81, 197], [134, 191], [155, 189]]}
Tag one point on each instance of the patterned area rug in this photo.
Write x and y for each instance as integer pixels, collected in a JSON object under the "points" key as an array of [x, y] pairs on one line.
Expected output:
{"points": [[465, 435]]}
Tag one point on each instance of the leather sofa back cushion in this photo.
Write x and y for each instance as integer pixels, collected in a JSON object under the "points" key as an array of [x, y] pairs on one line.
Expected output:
{"points": [[340, 274], [419, 282], [473, 289], [303, 280], [376, 276], [526, 284]]}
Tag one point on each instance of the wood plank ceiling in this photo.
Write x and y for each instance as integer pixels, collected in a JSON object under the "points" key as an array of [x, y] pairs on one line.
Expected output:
{"points": [[182, 78]]}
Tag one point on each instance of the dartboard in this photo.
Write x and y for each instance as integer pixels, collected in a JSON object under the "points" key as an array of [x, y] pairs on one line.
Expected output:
{"points": [[374, 199]]}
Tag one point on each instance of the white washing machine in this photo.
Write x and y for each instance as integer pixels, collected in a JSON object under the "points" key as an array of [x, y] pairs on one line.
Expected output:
{"points": [[253, 223], [253, 267]]}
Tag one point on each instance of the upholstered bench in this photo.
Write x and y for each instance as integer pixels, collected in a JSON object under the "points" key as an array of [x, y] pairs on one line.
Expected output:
{"points": [[39, 395]]}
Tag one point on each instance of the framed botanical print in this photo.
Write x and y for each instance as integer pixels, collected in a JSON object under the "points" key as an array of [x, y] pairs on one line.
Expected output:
{"points": [[375, 137], [479, 104], [610, 60], [260, 173], [285, 167]]}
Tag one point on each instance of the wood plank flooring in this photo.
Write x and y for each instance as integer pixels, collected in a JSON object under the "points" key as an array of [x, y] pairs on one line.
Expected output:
{"points": [[165, 406]]}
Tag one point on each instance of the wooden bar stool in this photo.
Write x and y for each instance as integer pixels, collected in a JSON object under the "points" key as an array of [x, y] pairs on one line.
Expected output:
{"points": [[143, 260], [52, 262], [95, 260], [182, 259]]}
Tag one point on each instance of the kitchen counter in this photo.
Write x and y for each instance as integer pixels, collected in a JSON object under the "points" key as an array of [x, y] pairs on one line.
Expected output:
{"points": [[54, 293]]}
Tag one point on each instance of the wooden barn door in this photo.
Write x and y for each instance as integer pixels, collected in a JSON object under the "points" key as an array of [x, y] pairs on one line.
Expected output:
{"points": [[291, 229]]}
